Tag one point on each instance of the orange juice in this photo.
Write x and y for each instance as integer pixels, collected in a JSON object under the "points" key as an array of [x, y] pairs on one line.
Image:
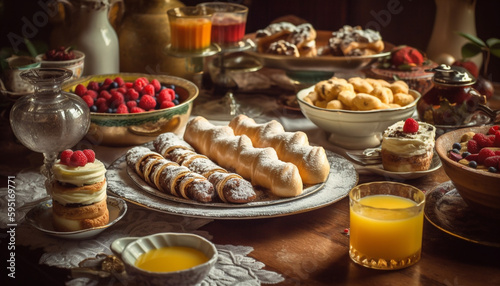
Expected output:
{"points": [[170, 258], [190, 34], [386, 227]]}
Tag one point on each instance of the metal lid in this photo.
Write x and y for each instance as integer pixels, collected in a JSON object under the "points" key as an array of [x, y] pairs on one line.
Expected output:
{"points": [[452, 75]]}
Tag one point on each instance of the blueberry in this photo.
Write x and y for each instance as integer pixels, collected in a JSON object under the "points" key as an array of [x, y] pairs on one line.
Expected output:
{"points": [[457, 146], [492, 170], [171, 86], [473, 164], [162, 87], [177, 96], [93, 108], [454, 150], [114, 85], [175, 101], [465, 154]]}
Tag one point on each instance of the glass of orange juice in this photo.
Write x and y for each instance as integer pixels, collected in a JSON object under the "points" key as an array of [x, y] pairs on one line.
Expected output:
{"points": [[190, 28], [228, 23], [386, 224]]}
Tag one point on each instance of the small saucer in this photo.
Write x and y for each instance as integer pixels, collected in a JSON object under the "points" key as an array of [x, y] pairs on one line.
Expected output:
{"points": [[210, 51], [446, 210], [40, 217], [379, 169]]}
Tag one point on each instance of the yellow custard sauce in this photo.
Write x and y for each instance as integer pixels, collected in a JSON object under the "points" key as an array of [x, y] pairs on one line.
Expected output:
{"points": [[170, 258]]}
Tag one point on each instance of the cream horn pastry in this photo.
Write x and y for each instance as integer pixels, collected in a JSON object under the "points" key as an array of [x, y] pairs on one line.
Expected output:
{"points": [[230, 187], [259, 165], [168, 177], [292, 147]]}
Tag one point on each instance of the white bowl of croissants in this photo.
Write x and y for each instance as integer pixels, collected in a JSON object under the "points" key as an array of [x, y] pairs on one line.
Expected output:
{"points": [[355, 111]]}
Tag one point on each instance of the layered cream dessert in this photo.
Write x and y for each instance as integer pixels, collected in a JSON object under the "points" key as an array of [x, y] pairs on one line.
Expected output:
{"points": [[408, 146], [79, 193]]}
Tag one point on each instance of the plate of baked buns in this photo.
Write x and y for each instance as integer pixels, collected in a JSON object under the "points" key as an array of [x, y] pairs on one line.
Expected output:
{"points": [[288, 46]]}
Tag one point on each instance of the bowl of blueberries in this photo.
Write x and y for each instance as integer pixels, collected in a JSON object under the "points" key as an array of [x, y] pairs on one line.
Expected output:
{"points": [[129, 109]]}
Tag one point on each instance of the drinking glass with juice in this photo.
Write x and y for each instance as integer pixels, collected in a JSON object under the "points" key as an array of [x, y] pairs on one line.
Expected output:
{"points": [[386, 224], [228, 23], [190, 28]]}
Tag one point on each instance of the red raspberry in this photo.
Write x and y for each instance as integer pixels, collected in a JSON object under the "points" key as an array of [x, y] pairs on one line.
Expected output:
{"points": [[122, 108], [496, 141], [88, 100], [497, 153], [105, 94], [473, 146], [102, 106], [140, 83], [129, 85], [93, 85], [482, 140], [100, 100], [136, 110], [117, 98], [149, 90], [107, 81], [92, 93], [65, 156], [166, 104], [122, 89], [492, 161], [119, 81], [166, 94], [90, 154], [156, 84], [471, 157], [406, 56], [131, 103], [493, 129], [147, 102], [132, 94], [80, 89], [483, 154], [410, 126], [77, 159]]}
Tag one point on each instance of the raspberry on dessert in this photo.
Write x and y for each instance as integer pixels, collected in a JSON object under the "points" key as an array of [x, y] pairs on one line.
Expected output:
{"points": [[147, 102], [410, 126], [78, 159], [406, 56], [80, 89], [473, 146], [483, 154], [90, 154], [65, 156]]}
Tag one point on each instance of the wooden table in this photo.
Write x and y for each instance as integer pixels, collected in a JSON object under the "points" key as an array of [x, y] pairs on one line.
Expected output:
{"points": [[312, 248]]}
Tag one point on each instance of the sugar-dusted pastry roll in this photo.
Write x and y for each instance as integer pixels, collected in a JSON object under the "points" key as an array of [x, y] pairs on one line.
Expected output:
{"points": [[292, 147], [259, 165]]}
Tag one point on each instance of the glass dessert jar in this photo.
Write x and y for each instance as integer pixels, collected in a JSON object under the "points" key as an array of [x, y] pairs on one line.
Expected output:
{"points": [[452, 102]]}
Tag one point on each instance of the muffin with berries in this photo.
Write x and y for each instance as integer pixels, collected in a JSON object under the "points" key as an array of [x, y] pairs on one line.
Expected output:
{"points": [[408, 64], [78, 191]]}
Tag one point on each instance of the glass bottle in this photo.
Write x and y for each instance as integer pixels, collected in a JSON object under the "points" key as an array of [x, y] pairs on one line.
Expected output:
{"points": [[49, 120]]}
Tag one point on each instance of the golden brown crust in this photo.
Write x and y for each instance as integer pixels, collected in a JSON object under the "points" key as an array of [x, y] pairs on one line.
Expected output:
{"points": [[74, 225], [81, 212], [395, 163]]}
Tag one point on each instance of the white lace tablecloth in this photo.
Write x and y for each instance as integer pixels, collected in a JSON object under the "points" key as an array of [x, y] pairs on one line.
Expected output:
{"points": [[233, 266]]}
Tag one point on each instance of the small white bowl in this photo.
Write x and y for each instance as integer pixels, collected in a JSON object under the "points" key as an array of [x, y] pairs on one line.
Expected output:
{"points": [[76, 65], [130, 248], [355, 129]]}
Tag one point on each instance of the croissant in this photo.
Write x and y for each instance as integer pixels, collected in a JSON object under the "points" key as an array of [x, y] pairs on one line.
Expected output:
{"points": [[259, 165], [168, 176], [292, 147], [230, 187]]}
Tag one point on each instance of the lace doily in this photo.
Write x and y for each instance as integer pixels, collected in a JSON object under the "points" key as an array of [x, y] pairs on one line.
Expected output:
{"points": [[233, 266]]}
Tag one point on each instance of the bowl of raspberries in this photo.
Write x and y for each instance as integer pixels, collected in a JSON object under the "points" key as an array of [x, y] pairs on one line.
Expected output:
{"points": [[63, 57], [130, 109], [471, 159]]}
